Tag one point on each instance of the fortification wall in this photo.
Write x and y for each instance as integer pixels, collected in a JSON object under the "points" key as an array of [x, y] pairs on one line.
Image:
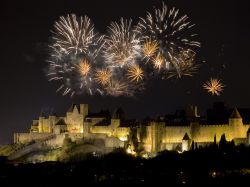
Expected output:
{"points": [[101, 130], [206, 133], [175, 134], [147, 147], [75, 136], [152, 137], [122, 133], [95, 136], [29, 137], [34, 128], [56, 141], [170, 146], [110, 142], [147, 139]]}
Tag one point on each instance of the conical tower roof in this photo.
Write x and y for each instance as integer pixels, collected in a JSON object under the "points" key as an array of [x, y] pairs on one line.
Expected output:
{"points": [[186, 137], [235, 114], [72, 107]]}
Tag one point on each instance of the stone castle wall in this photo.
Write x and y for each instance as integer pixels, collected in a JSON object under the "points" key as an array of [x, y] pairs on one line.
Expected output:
{"points": [[29, 137], [159, 137], [154, 137], [174, 134]]}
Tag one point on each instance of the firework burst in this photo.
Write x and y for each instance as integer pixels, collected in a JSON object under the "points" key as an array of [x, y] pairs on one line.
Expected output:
{"points": [[150, 48], [172, 32], [74, 35], [74, 50], [84, 67], [116, 88], [158, 62], [103, 76], [119, 63], [135, 73], [213, 86], [185, 62], [122, 45]]}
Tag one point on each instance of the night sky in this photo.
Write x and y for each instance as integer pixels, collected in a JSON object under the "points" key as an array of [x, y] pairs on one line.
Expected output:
{"points": [[223, 27]]}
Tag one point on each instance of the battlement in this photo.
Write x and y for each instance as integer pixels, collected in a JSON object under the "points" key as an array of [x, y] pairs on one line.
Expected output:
{"points": [[156, 135]]}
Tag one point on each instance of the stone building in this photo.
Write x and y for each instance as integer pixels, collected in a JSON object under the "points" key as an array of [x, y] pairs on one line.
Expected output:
{"points": [[164, 133]]}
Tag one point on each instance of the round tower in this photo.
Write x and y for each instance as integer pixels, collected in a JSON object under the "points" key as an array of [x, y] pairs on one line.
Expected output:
{"points": [[236, 125], [186, 142]]}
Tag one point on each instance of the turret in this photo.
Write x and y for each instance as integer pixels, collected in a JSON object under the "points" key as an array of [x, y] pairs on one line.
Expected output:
{"points": [[84, 110], [191, 112], [235, 114], [52, 122], [40, 123], [74, 108], [186, 142], [236, 123]]}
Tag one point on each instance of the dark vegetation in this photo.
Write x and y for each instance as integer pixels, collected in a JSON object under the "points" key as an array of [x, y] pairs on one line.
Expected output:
{"points": [[215, 165]]}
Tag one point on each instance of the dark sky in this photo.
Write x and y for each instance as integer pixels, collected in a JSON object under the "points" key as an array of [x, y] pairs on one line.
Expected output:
{"points": [[223, 27]]}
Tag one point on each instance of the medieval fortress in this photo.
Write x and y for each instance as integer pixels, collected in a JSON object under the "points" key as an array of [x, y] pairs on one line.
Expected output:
{"points": [[144, 137]]}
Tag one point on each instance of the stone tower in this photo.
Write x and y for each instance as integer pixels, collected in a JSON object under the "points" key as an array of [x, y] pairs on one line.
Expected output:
{"points": [[84, 110], [236, 125], [191, 112], [75, 117], [186, 142]]}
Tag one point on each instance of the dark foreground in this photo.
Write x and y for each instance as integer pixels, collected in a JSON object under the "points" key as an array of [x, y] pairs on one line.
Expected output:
{"points": [[209, 166]]}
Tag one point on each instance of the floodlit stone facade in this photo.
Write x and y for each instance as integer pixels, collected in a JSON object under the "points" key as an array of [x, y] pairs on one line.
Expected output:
{"points": [[150, 137]]}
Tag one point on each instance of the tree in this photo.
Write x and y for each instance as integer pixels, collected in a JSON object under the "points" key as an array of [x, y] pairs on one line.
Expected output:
{"points": [[223, 142]]}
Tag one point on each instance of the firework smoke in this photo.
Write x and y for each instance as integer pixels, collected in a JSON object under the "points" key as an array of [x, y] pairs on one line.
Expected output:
{"points": [[121, 62]]}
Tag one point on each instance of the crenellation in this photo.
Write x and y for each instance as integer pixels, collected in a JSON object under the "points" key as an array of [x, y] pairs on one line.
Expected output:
{"points": [[152, 137]]}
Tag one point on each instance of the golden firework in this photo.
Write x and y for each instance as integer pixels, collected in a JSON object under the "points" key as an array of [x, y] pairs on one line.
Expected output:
{"points": [[150, 48], [135, 73], [84, 67], [103, 76], [116, 88], [122, 45], [184, 64], [213, 86], [158, 61]]}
